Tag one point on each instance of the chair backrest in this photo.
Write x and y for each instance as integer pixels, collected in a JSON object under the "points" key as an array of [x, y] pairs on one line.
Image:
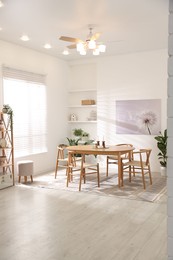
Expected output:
{"points": [[146, 153], [126, 156], [61, 151]]}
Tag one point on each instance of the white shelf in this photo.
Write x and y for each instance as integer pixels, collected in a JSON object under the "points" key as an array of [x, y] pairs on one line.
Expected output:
{"points": [[76, 122], [82, 106], [82, 90]]}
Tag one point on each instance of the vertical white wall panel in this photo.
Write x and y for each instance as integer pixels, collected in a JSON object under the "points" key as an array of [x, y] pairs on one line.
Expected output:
{"points": [[170, 134]]}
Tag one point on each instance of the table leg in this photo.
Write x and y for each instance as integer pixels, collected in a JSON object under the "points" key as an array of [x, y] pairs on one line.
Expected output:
{"points": [[69, 167], [81, 172], [119, 170]]}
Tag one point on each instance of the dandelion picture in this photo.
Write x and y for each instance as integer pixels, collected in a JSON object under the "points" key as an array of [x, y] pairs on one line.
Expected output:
{"points": [[138, 116], [147, 120]]}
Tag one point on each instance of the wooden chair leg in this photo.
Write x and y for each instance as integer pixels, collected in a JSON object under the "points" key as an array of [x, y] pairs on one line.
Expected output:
{"points": [[107, 165], [143, 179], [68, 176], [80, 181], [31, 178], [133, 171], [98, 175], [25, 179], [19, 178], [56, 169], [130, 174], [149, 171], [122, 179]]}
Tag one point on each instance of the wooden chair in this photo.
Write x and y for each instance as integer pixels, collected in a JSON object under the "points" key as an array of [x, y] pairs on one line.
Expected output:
{"points": [[114, 159], [61, 160], [140, 163], [84, 168]]}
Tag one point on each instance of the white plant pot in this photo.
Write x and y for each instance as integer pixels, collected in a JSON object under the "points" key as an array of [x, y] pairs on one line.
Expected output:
{"points": [[163, 171], [85, 138]]}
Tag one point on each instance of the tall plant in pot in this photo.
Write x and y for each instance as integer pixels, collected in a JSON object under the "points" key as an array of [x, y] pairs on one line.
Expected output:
{"points": [[162, 146]]}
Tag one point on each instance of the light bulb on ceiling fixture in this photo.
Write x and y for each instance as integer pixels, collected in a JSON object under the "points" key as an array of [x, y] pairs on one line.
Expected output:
{"points": [[83, 52], [96, 52], [91, 44], [80, 46], [102, 48]]}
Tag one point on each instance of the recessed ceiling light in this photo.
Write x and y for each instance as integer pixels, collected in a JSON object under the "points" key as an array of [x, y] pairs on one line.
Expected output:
{"points": [[1, 4], [0, 28], [65, 52], [47, 46], [24, 38]]}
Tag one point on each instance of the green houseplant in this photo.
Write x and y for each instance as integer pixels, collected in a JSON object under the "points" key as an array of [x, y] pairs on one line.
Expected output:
{"points": [[162, 146], [77, 132], [73, 141], [8, 110]]}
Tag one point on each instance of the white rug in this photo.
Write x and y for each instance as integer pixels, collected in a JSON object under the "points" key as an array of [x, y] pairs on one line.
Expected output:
{"points": [[108, 186]]}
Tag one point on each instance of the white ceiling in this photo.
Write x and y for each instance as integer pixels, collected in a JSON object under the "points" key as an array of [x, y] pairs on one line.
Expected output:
{"points": [[125, 25]]}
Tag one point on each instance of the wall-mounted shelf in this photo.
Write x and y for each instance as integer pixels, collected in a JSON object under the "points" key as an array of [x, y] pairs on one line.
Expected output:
{"points": [[83, 113], [81, 90], [83, 106], [82, 99], [77, 122]]}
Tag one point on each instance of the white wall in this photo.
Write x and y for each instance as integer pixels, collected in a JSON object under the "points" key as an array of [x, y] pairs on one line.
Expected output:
{"points": [[134, 76], [127, 77], [56, 72], [170, 135]]}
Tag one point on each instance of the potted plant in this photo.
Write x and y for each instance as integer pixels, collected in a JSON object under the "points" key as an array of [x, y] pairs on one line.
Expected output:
{"points": [[8, 110], [85, 136], [162, 146], [73, 141], [77, 132]]}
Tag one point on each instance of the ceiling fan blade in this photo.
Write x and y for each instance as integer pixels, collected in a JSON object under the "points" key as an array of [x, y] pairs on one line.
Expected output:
{"points": [[70, 39], [72, 46], [95, 36]]}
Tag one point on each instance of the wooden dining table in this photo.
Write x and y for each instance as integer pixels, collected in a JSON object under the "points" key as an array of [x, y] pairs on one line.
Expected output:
{"points": [[109, 150]]}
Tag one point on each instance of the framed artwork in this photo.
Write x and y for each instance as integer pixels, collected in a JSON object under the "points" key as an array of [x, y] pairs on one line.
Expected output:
{"points": [[138, 116]]}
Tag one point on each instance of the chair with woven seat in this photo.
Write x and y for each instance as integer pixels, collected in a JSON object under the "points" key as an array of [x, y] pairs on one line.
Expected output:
{"points": [[62, 158], [84, 168], [139, 163], [113, 159]]}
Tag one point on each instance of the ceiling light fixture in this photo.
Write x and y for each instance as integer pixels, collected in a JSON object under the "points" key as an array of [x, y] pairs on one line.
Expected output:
{"points": [[1, 4], [90, 44], [24, 38], [47, 46], [65, 52]]}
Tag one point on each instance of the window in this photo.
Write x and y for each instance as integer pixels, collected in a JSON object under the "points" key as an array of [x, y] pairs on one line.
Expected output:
{"points": [[26, 94]]}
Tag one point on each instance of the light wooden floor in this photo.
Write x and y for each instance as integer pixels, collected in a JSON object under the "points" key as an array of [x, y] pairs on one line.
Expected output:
{"points": [[56, 225]]}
